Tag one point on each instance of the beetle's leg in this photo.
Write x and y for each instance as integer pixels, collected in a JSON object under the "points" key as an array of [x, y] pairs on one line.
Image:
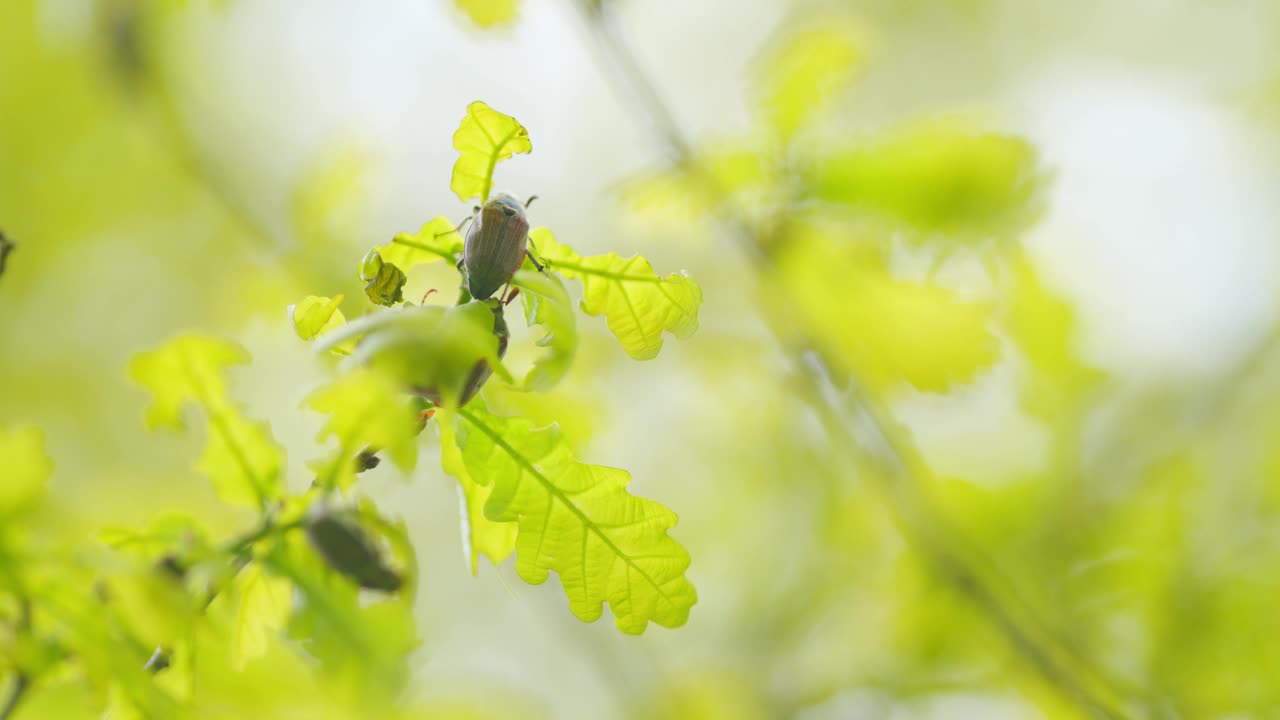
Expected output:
{"points": [[511, 296], [424, 297], [534, 260], [529, 202]]}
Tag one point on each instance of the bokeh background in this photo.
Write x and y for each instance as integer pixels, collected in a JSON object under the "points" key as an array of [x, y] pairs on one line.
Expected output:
{"points": [[203, 165]]}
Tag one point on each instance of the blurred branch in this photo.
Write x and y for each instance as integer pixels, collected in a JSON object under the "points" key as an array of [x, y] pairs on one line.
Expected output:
{"points": [[6, 247], [895, 464], [21, 681]]}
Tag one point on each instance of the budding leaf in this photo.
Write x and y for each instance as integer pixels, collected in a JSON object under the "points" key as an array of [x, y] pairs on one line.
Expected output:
{"points": [[638, 304], [484, 138], [386, 287], [579, 521]]}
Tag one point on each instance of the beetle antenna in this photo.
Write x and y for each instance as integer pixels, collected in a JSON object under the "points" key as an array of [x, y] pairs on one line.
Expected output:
{"points": [[529, 202]]}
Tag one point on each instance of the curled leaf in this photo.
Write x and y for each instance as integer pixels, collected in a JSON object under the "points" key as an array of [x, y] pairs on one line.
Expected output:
{"points": [[384, 281], [484, 138], [316, 315]]}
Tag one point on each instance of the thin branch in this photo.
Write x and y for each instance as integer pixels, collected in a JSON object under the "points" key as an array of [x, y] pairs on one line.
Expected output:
{"points": [[19, 690], [951, 557]]}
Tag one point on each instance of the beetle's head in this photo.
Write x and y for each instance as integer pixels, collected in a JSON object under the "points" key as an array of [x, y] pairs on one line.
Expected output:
{"points": [[509, 205]]}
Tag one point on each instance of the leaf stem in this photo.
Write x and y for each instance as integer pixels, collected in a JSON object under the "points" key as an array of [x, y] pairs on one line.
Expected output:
{"points": [[950, 556]]}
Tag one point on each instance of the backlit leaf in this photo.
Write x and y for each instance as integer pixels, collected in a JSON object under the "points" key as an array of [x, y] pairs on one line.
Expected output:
{"points": [[484, 138], [637, 303], [263, 602], [437, 240], [885, 329], [547, 304], [579, 521], [940, 177], [316, 315], [496, 540]]}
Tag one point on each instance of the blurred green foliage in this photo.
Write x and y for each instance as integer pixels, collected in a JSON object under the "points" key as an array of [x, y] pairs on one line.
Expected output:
{"points": [[843, 568]]}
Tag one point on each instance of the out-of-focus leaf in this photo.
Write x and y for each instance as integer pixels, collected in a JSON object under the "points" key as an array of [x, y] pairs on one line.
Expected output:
{"points": [[637, 303], [263, 602], [547, 304], [490, 13], [881, 328], [578, 520], [941, 177], [804, 70], [484, 138], [496, 540], [241, 458], [735, 171], [188, 368], [365, 409], [431, 350], [315, 315], [437, 240], [325, 207], [1043, 326], [362, 647], [25, 467]]}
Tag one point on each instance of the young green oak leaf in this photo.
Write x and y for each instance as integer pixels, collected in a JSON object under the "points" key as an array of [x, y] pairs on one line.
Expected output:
{"points": [[241, 459], [579, 521], [26, 469], [637, 303], [546, 303], [365, 409], [316, 315], [883, 329], [437, 240], [480, 535], [490, 13], [485, 137]]}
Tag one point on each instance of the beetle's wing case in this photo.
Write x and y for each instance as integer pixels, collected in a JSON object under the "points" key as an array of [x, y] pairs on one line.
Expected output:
{"points": [[495, 245]]}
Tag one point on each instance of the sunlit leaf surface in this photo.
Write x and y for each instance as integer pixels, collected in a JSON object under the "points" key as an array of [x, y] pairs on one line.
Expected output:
{"points": [[578, 520], [638, 304]]}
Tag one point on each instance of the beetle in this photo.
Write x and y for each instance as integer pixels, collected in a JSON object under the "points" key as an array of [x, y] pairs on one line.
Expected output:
{"points": [[496, 244]]}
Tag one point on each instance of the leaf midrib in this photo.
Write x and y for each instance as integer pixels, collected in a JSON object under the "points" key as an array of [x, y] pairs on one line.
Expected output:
{"points": [[557, 493]]}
